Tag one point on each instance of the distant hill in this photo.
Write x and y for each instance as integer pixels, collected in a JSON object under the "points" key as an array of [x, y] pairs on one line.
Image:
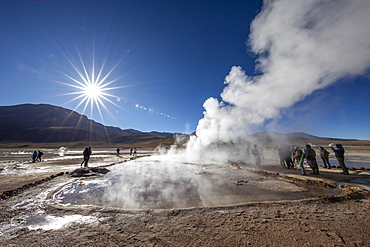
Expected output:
{"points": [[48, 124], [44, 123]]}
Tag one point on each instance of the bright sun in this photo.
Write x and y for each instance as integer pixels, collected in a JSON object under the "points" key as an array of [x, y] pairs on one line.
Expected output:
{"points": [[91, 84], [93, 91]]}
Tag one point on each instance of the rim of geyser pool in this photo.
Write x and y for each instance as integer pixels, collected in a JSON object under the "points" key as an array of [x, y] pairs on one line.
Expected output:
{"points": [[50, 201], [107, 209], [88, 209], [291, 196]]}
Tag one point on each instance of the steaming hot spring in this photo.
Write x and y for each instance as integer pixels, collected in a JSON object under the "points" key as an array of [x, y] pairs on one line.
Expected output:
{"points": [[157, 182]]}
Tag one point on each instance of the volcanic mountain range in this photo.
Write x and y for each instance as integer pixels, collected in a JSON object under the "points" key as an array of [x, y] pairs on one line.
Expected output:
{"points": [[42, 123]]}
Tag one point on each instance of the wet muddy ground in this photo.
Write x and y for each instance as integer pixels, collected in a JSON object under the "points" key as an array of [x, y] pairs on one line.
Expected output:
{"points": [[306, 214]]}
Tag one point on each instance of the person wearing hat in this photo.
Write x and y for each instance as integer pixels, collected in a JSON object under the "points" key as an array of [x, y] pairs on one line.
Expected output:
{"points": [[339, 154]]}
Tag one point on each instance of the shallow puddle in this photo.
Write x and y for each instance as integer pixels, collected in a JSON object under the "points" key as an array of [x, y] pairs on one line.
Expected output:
{"points": [[152, 183], [48, 222]]}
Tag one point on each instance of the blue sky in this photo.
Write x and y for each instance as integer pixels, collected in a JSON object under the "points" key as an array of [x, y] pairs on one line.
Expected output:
{"points": [[168, 57]]}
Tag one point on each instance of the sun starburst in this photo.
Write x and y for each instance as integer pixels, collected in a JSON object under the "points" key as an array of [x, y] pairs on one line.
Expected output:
{"points": [[93, 91], [91, 84]]}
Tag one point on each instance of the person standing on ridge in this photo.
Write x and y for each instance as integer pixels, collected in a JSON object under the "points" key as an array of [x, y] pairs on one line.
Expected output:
{"points": [[339, 154], [310, 155], [325, 157]]}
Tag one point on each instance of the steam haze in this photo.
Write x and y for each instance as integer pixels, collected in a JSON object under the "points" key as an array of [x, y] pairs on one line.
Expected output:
{"points": [[301, 46]]}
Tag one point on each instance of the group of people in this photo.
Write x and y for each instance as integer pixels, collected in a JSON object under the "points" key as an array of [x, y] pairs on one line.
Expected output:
{"points": [[36, 156], [87, 152], [289, 157], [133, 152]]}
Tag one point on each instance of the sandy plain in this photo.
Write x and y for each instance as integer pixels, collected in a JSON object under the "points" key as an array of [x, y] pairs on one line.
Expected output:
{"points": [[30, 217]]}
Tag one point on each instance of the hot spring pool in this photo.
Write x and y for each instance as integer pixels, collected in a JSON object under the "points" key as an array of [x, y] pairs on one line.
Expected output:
{"points": [[155, 183]]}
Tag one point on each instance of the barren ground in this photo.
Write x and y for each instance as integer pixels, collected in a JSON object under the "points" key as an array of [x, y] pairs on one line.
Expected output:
{"points": [[330, 221]]}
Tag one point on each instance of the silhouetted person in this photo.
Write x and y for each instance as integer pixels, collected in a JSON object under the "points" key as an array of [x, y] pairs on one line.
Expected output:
{"points": [[288, 157], [135, 154], [339, 154], [39, 154], [90, 152], [325, 157], [118, 151], [285, 156], [310, 155], [86, 153], [131, 151], [34, 156]]}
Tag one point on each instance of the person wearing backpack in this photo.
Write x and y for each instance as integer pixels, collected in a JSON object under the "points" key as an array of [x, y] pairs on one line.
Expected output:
{"points": [[310, 155]]}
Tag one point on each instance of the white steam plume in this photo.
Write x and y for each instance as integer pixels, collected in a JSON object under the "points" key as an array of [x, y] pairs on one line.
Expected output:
{"points": [[302, 46]]}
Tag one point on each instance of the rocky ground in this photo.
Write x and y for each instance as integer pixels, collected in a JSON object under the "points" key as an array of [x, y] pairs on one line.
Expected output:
{"points": [[326, 221]]}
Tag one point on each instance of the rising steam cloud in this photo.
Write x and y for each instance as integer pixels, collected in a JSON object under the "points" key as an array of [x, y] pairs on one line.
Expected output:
{"points": [[301, 46]]}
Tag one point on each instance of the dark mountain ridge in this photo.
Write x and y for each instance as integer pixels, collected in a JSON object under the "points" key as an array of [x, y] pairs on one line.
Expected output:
{"points": [[44, 123]]}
